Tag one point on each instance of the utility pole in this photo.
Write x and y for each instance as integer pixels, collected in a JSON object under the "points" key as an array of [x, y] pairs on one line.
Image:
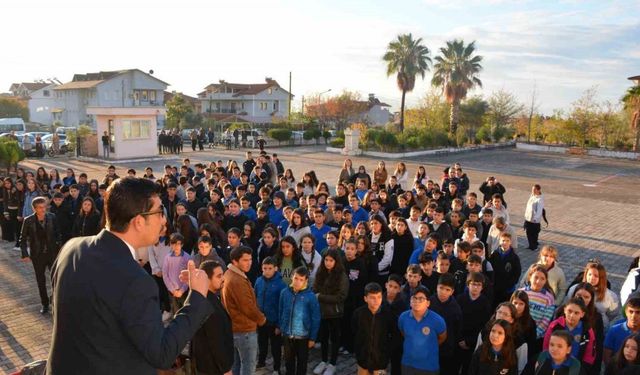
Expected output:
{"points": [[290, 98], [533, 100], [302, 110]]}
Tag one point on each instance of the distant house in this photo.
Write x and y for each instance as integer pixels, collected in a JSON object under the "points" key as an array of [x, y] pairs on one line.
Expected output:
{"points": [[42, 102], [374, 112], [24, 89], [635, 79], [252, 102], [113, 89], [377, 113]]}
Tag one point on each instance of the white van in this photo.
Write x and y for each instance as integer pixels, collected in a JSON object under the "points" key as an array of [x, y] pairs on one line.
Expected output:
{"points": [[13, 124]]}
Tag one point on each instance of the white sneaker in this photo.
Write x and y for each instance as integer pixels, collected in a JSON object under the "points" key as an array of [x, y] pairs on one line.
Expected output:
{"points": [[331, 370], [320, 367]]}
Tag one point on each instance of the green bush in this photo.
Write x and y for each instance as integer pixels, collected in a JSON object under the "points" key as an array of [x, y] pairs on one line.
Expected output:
{"points": [[337, 143], [280, 135], [10, 153], [386, 140], [312, 133], [326, 135]]}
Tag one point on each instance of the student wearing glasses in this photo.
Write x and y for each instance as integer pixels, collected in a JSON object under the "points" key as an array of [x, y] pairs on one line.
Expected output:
{"points": [[423, 331]]}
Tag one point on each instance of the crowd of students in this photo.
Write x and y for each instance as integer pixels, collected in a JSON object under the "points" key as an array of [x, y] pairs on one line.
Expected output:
{"points": [[417, 274]]}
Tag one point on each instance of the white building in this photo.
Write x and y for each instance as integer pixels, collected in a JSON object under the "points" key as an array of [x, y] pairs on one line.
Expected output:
{"points": [[377, 113], [253, 102], [41, 104], [116, 89]]}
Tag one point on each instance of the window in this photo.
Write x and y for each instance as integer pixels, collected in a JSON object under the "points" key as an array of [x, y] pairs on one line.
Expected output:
{"points": [[144, 96], [242, 105], [275, 106], [136, 129], [270, 91], [264, 106], [152, 95], [46, 93]]}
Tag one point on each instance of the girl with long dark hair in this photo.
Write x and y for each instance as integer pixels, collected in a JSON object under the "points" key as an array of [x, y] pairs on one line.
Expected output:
{"points": [[497, 355], [87, 222], [288, 258], [331, 286]]}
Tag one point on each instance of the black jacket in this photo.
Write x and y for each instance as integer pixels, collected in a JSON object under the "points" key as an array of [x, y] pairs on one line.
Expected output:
{"points": [[86, 225], [212, 346], [39, 246], [106, 318], [358, 277], [375, 334], [450, 311], [63, 219], [475, 315], [495, 367], [402, 250]]}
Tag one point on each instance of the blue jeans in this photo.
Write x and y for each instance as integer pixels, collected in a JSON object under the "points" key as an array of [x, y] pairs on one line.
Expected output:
{"points": [[246, 351]]}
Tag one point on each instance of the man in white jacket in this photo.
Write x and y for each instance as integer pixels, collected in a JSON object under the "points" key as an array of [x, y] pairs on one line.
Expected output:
{"points": [[533, 216]]}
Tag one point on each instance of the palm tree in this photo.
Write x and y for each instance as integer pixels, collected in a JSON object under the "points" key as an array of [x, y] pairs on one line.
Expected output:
{"points": [[456, 73], [406, 58], [631, 102]]}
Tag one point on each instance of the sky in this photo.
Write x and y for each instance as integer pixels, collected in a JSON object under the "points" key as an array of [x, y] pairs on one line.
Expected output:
{"points": [[561, 48]]}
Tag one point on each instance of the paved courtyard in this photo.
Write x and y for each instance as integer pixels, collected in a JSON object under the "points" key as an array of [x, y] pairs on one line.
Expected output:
{"points": [[593, 206]]}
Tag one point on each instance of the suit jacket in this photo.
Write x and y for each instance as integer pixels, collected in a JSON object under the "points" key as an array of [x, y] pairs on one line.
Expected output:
{"points": [[37, 245], [106, 318], [212, 346]]}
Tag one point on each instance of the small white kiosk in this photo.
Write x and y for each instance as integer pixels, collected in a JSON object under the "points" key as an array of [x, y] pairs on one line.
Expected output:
{"points": [[132, 131]]}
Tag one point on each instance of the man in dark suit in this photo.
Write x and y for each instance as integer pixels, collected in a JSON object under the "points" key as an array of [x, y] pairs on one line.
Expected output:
{"points": [[106, 318], [40, 233]]}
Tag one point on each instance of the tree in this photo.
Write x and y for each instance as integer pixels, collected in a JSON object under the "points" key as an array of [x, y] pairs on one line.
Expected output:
{"points": [[280, 134], [503, 110], [339, 110], [472, 113], [177, 110], [11, 107], [406, 58], [10, 153], [584, 116], [456, 72], [631, 101]]}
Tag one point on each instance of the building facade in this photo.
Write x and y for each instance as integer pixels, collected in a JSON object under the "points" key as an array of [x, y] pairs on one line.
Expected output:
{"points": [[253, 102], [119, 89]]}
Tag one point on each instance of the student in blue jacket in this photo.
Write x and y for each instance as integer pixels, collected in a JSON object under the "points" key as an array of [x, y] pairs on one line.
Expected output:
{"points": [[268, 288], [299, 321]]}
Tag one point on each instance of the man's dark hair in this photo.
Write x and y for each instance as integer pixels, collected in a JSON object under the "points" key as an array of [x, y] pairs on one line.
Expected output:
{"points": [[270, 261], [125, 199], [175, 238], [395, 278], [475, 277], [235, 231], [422, 289], [447, 279], [372, 288], [204, 239], [425, 258], [633, 302], [38, 200], [208, 266], [474, 258], [239, 251], [74, 186], [302, 271]]}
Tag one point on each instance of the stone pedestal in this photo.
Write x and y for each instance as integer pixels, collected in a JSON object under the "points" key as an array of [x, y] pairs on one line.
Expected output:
{"points": [[351, 143]]}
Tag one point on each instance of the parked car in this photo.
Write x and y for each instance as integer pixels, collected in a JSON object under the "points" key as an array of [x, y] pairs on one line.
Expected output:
{"points": [[41, 134], [47, 140], [65, 129]]}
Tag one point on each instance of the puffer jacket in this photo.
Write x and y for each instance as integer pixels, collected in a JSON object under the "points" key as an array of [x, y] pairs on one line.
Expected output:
{"points": [[331, 296], [299, 314], [268, 295]]}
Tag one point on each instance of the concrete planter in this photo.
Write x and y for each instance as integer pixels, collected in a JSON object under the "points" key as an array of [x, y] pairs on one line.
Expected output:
{"points": [[434, 152], [578, 151]]}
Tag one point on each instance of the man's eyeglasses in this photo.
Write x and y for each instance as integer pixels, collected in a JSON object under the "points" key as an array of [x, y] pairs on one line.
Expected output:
{"points": [[158, 211]]}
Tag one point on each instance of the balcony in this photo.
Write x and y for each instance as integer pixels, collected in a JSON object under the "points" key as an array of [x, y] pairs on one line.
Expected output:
{"points": [[222, 110]]}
